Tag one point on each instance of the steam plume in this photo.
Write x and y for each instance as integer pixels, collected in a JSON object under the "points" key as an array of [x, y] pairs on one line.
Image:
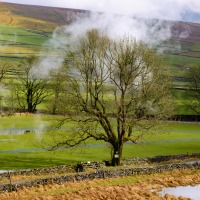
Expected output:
{"points": [[118, 18], [166, 9]]}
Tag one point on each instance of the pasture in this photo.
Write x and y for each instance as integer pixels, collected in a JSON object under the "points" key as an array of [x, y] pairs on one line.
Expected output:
{"points": [[19, 42], [28, 150]]}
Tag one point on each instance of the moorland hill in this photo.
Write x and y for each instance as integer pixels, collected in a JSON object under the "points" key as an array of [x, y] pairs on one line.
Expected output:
{"points": [[24, 29]]}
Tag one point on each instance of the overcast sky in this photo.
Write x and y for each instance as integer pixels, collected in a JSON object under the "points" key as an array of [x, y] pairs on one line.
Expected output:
{"points": [[162, 9]]}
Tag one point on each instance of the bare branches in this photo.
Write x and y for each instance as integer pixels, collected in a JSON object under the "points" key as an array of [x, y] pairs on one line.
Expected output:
{"points": [[4, 67], [116, 87], [193, 91], [31, 89]]}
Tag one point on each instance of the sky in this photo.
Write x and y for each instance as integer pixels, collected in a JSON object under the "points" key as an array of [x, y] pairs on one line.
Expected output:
{"points": [[177, 10]]}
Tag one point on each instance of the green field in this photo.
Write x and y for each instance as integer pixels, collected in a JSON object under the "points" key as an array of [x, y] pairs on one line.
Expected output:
{"points": [[27, 34], [27, 150], [19, 42]]}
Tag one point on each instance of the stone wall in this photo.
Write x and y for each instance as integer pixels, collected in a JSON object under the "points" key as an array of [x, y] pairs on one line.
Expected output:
{"points": [[41, 171], [158, 159], [98, 174], [54, 170], [96, 165], [173, 157]]}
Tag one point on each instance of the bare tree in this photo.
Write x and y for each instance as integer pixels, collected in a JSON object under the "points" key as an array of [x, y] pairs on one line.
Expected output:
{"points": [[193, 92], [4, 67], [56, 103], [31, 87], [118, 92]]}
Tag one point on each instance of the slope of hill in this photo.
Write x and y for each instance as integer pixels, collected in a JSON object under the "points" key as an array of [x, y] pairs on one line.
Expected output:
{"points": [[24, 30], [46, 19], [36, 17], [43, 20]]}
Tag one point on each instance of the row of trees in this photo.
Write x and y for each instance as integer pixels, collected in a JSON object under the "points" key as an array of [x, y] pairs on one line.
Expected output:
{"points": [[28, 88], [112, 90]]}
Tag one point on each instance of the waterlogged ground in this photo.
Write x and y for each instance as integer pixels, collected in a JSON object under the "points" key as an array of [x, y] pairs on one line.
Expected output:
{"points": [[138, 187], [186, 191]]}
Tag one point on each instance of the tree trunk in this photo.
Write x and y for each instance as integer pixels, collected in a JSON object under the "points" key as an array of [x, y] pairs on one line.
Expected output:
{"points": [[29, 101], [30, 110], [117, 155]]}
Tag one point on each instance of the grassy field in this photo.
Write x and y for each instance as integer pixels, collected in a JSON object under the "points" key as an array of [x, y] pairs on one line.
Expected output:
{"points": [[25, 30], [28, 150], [22, 36], [20, 42]]}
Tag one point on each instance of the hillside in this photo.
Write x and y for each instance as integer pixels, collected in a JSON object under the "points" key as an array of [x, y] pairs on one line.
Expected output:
{"points": [[25, 30], [43, 20], [36, 17]]}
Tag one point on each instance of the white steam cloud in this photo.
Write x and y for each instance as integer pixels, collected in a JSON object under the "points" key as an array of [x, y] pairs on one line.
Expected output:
{"points": [[151, 32], [117, 26], [119, 18], [160, 9]]}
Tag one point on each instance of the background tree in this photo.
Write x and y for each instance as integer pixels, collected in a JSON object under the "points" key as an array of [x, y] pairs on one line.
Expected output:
{"points": [[118, 92], [192, 94], [31, 87], [56, 103], [4, 69]]}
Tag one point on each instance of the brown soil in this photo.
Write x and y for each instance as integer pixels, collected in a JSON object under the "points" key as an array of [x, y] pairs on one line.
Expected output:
{"points": [[133, 187]]}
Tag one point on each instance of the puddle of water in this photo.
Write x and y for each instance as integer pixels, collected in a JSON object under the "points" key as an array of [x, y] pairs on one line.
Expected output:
{"points": [[5, 171], [16, 131], [22, 150], [192, 192], [7, 140]]}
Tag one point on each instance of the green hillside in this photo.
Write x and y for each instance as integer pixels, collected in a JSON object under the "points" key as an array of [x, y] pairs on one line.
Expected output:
{"points": [[25, 30], [18, 42], [36, 17]]}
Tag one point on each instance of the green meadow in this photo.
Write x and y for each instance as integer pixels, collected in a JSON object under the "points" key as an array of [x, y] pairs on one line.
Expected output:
{"points": [[19, 42], [28, 150]]}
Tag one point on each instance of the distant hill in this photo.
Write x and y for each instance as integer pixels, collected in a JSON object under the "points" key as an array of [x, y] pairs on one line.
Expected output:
{"points": [[48, 18], [24, 29], [36, 17]]}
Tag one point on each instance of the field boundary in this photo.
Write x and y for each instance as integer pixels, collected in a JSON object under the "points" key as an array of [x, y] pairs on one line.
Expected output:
{"points": [[97, 174]]}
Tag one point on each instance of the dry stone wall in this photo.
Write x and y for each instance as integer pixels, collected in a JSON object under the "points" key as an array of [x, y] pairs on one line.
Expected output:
{"points": [[55, 170], [158, 159], [98, 174]]}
